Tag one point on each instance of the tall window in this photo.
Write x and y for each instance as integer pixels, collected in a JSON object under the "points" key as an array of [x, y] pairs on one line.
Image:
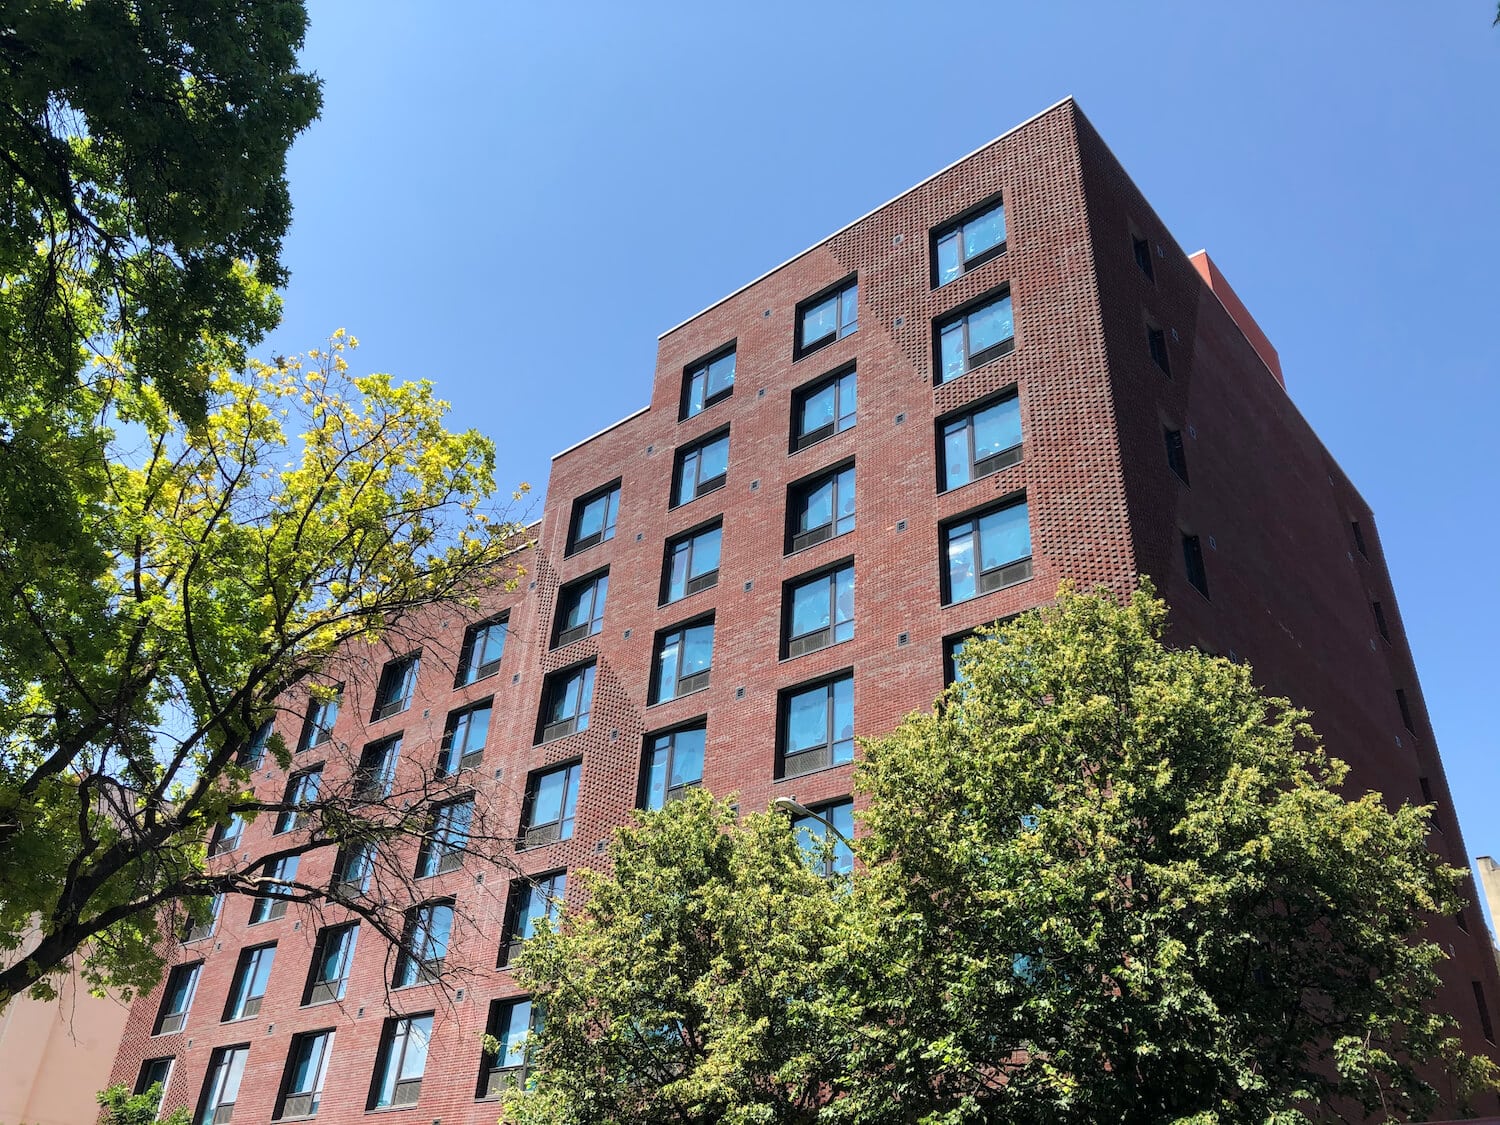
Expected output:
{"points": [[1359, 538], [464, 736], [510, 1024], [580, 609], [227, 836], [1380, 622], [221, 1086], [376, 771], [831, 315], [1156, 343], [987, 551], [255, 749], [966, 243], [306, 1067], [819, 611], [1192, 559], [398, 683], [594, 519], [701, 467], [401, 1062], [1142, 250], [484, 645], [820, 508], [154, 1073], [332, 960], [443, 848], [826, 408], [301, 791], [251, 975], [1176, 454], [566, 703], [684, 659], [533, 903], [322, 714], [817, 726], [182, 983], [692, 563], [271, 904], [551, 806], [353, 867], [707, 382], [198, 929], [974, 337], [424, 944], [674, 764], [827, 850], [980, 441]]}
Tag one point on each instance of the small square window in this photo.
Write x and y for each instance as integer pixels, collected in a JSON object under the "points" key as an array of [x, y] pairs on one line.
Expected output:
{"points": [[1176, 454], [306, 1068], [820, 508], [968, 242], [533, 904], [701, 468], [831, 315], [683, 661], [673, 765], [1142, 249], [551, 806], [692, 563], [401, 1061], [566, 701], [1156, 340], [982, 440], [464, 736], [443, 847], [511, 1024], [484, 645], [824, 409], [580, 609], [594, 519], [706, 382], [973, 336], [818, 611], [986, 551], [1192, 557], [817, 726], [398, 683], [424, 944], [322, 714]]}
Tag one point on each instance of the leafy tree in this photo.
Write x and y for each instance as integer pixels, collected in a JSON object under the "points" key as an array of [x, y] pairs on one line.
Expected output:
{"points": [[227, 569], [118, 1106]]}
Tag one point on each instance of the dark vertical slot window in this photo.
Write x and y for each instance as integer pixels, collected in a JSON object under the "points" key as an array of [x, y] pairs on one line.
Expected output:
{"points": [[821, 508], [484, 645], [594, 519], [701, 468], [826, 318], [443, 848], [1380, 624], [1406, 719], [969, 339], [580, 609], [1192, 558], [424, 944], [817, 726], [820, 611], [692, 563], [824, 848], [182, 983], [1143, 257], [251, 975], [987, 551], [1359, 538], [684, 661], [551, 806], [376, 772], [674, 765], [221, 1086], [1156, 341], [1484, 1012], [823, 410], [1176, 454], [306, 1068], [968, 243], [155, 1073], [272, 902], [317, 727], [464, 736], [398, 683], [534, 903], [1428, 799], [981, 441], [511, 1024], [196, 930], [568, 700], [401, 1062], [706, 383], [332, 961]]}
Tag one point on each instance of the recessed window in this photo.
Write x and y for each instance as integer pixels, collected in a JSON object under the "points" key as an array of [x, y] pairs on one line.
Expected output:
{"points": [[532, 905], [692, 563], [551, 806], [352, 868], [198, 930], [1142, 248], [1156, 341], [594, 519], [182, 983], [1176, 454], [1380, 624], [701, 467], [817, 726], [968, 242], [1405, 708], [255, 749], [1484, 1012], [706, 382], [982, 440], [673, 765], [272, 901], [332, 961], [484, 645], [831, 315], [824, 409], [424, 944], [566, 702], [1359, 537], [1429, 799], [683, 663], [1192, 557], [376, 772], [986, 551], [511, 1024], [953, 649], [322, 713], [401, 1062], [580, 608], [306, 1067], [221, 1086], [301, 791], [227, 836], [251, 975], [398, 683], [819, 611], [443, 847], [154, 1073], [820, 508], [464, 737], [823, 837], [974, 336]]}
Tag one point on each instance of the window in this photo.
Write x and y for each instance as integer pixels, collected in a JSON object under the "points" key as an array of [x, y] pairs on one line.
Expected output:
{"points": [[975, 336], [221, 1086], [198, 930], [376, 771], [1142, 249], [824, 409], [706, 382], [182, 982], [692, 563], [1484, 1012], [820, 508], [817, 726], [819, 611], [987, 551], [306, 1067], [424, 944], [398, 682], [484, 644], [301, 791], [227, 836], [1192, 557], [333, 957], [255, 749], [532, 902], [511, 1023], [1405, 708], [814, 837], [464, 737], [1176, 455], [831, 315], [154, 1073], [353, 867], [684, 657], [272, 901], [967, 243], [1380, 623], [953, 648], [980, 441], [673, 765], [566, 702], [317, 727], [551, 804], [580, 609], [443, 849], [1359, 537], [401, 1061], [594, 519], [251, 974], [1156, 340], [701, 468]]}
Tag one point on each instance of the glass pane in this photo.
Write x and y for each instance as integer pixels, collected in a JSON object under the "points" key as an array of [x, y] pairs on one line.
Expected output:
{"points": [[961, 563], [666, 668], [843, 710], [820, 321], [547, 807], [715, 460], [236, 1071], [677, 580], [947, 257], [1004, 537], [697, 649], [262, 972], [476, 729], [818, 409], [440, 924], [848, 401], [956, 455], [846, 500], [841, 816], [849, 310], [984, 231], [807, 720], [612, 514], [570, 805], [844, 595], [817, 509], [513, 1038], [996, 428], [591, 519], [952, 348], [695, 392], [414, 1062], [585, 697], [721, 374], [656, 786], [810, 608], [687, 477], [687, 758], [706, 552], [601, 592], [990, 325]]}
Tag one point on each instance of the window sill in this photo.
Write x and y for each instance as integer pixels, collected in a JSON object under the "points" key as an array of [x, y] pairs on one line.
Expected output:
{"points": [[321, 1003], [239, 1019]]}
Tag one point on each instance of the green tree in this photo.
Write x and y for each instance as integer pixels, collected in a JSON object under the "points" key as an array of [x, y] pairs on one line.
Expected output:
{"points": [[118, 1106]]}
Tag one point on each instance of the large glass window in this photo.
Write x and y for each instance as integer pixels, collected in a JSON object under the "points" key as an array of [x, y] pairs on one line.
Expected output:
{"points": [[484, 645], [594, 519], [827, 317], [674, 764], [533, 903], [322, 714], [251, 975], [569, 697], [820, 508], [272, 902], [511, 1024], [684, 659], [306, 1067], [987, 551], [981, 441], [817, 726], [974, 337], [967, 243], [692, 563], [182, 983], [464, 737], [424, 944], [580, 609], [828, 850], [154, 1074], [824, 409], [221, 1086], [551, 805], [353, 867], [332, 961], [301, 791], [701, 467], [707, 382], [376, 772], [820, 611], [401, 1062], [398, 683], [443, 849]]}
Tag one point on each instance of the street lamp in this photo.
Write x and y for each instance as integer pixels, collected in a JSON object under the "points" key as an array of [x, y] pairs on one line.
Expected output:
{"points": [[786, 804]]}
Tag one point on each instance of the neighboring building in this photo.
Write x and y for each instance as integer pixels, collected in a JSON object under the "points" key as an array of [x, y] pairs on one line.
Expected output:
{"points": [[1007, 376]]}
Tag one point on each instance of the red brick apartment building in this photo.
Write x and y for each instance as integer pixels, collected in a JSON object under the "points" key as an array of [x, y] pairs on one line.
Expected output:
{"points": [[1009, 375]]}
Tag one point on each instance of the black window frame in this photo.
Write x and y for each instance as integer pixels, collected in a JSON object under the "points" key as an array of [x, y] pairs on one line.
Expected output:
{"points": [[375, 773], [1194, 564], [177, 1017], [227, 836], [471, 756], [1009, 573], [468, 672], [1381, 624], [801, 439], [540, 834], [1156, 345], [553, 686], [246, 968], [841, 331], [702, 486], [800, 491], [152, 1072], [321, 717], [818, 639], [682, 685], [294, 1105], [1404, 706], [1141, 247], [397, 686], [254, 751], [822, 756], [318, 989], [495, 1079], [413, 971], [220, 1063], [955, 225], [342, 883], [517, 898], [404, 1092], [198, 931], [1176, 453], [691, 584], [966, 416], [610, 494], [650, 749], [594, 586], [275, 901], [291, 816], [828, 863], [962, 313], [440, 855], [1359, 538], [685, 407]]}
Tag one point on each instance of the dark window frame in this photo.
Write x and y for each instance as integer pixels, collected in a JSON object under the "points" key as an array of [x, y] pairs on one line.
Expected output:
{"points": [[649, 751], [412, 970], [397, 686], [842, 329], [842, 420], [595, 586], [701, 485], [1359, 538], [1381, 624], [212, 1109], [828, 861], [793, 646], [956, 225], [967, 418], [692, 404], [275, 901], [407, 1091], [495, 1078], [444, 844], [469, 672], [198, 931], [799, 492], [239, 1004], [166, 1013], [375, 775], [152, 1072], [227, 836], [518, 899], [962, 315], [255, 749], [1176, 453], [1141, 248], [296, 798], [610, 494], [537, 834], [1156, 345], [682, 686], [321, 717], [557, 685], [820, 756], [1194, 563], [296, 1104], [319, 988], [692, 584], [342, 882], [1011, 572], [468, 757]]}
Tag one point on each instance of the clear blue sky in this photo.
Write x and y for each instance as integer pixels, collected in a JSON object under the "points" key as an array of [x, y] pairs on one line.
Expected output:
{"points": [[515, 199]]}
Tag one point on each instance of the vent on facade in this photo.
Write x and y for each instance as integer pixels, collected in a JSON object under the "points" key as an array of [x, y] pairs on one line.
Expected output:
{"points": [[299, 1106], [600, 847], [576, 633], [406, 1093], [739, 693], [755, 486], [324, 991], [900, 418], [541, 835], [809, 761], [810, 642], [900, 525], [627, 634], [560, 729], [813, 537], [1002, 460], [504, 1078], [450, 861], [510, 950], [1001, 577], [172, 1023], [902, 638], [900, 320]]}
